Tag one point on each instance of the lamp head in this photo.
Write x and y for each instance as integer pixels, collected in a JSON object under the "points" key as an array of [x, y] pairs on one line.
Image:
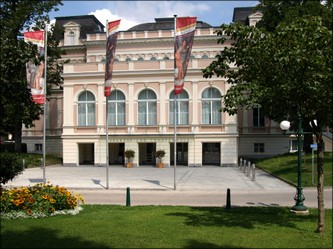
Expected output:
{"points": [[285, 125]]}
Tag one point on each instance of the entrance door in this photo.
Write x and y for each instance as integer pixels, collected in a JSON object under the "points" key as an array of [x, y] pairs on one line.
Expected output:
{"points": [[116, 153], [86, 154], [182, 154], [147, 154], [211, 153]]}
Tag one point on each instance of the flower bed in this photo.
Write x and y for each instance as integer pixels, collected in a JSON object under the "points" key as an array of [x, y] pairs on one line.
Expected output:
{"points": [[40, 200]]}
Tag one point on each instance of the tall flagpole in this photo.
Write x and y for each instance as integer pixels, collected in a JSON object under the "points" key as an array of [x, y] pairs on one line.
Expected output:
{"points": [[107, 122], [44, 121], [175, 122]]}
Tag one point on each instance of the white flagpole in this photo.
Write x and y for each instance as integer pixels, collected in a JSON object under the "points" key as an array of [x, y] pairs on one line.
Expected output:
{"points": [[45, 85], [106, 121], [175, 123]]}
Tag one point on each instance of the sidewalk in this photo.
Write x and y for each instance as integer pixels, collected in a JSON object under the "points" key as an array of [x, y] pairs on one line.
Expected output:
{"points": [[195, 186]]}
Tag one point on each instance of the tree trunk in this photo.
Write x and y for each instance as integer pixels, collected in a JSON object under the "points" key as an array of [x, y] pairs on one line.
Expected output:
{"points": [[320, 184], [18, 136]]}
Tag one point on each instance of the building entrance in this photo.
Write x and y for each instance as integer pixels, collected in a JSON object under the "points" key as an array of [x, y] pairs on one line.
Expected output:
{"points": [[211, 153], [116, 153], [86, 154], [182, 154], [147, 154]]}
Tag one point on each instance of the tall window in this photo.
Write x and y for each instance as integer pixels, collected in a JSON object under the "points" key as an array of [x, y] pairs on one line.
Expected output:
{"points": [[258, 118], [116, 105], [71, 38], [147, 106], [211, 105], [181, 106], [86, 109]]}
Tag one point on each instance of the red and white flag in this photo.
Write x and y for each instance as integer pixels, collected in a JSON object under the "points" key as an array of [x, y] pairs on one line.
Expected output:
{"points": [[35, 73], [111, 42], [184, 36]]}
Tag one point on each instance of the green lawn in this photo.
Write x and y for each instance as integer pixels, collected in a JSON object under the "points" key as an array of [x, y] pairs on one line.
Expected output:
{"points": [[285, 167], [32, 160], [110, 226]]}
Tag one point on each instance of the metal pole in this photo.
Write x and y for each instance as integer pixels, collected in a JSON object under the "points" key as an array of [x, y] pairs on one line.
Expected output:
{"points": [[44, 121], [107, 127], [299, 197], [312, 167], [175, 122]]}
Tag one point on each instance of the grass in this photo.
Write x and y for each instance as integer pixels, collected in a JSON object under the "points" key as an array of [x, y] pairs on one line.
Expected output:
{"points": [[285, 167], [111, 226], [32, 160]]}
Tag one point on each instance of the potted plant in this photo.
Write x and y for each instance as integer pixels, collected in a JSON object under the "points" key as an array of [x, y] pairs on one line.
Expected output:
{"points": [[160, 154], [129, 154]]}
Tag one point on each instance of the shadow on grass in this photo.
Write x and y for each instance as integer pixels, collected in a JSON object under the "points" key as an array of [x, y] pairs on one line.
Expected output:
{"points": [[245, 217], [199, 244], [43, 238]]}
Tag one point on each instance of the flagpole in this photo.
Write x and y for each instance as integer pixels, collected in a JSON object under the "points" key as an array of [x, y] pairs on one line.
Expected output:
{"points": [[107, 122], [44, 121], [175, 122]]}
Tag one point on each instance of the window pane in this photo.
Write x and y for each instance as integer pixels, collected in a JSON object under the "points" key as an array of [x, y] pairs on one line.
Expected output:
{"points": [[142, 113], [81, 114], [91, 114], [205, 112]]}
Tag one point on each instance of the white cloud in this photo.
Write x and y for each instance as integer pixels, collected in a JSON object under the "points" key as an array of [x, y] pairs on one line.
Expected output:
{"points": [[133, 13], [104, 14]]}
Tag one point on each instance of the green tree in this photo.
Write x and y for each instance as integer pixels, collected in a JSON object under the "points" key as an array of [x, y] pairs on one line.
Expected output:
{"points": [[10, 167], [287, 72], [16, 104], [275, 12]]}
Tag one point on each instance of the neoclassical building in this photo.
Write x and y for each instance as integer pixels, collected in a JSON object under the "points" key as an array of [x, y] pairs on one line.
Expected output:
{"points": [[141, 104]]}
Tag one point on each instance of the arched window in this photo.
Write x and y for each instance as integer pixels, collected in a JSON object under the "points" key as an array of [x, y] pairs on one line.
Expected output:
{"points": [[153, 59], [147, 106], [204, 56], [140, 59], [116, 108], [71, 38], [182, 106], [86, 109], [128, 59], [192, 56], [166, 58], [211, 105]]}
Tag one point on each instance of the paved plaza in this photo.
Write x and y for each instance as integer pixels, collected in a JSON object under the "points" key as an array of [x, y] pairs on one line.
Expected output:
{"points": [[196, 186]]}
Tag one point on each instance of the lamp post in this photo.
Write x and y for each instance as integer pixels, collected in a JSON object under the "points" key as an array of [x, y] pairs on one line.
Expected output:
{"points": [[299, 197]]}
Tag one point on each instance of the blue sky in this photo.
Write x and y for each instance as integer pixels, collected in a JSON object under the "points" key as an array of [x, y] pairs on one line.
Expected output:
{"points": [[132, 13]]}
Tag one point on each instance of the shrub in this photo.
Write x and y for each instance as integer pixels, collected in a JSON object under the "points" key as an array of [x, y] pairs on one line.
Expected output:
{"points": [[10, 166], [44, 199]]}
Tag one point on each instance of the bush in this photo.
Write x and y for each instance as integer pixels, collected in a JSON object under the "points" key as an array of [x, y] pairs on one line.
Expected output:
{"points": [[38, 200], [10, 147], [10, 166]]}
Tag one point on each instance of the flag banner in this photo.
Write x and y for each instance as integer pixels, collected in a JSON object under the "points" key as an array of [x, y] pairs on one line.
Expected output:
{"points": [[184, 36], [35, 73], [110, 54]]}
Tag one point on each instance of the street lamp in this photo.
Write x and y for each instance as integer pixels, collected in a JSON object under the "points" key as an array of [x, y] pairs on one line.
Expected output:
{"points": [[298, 208]]}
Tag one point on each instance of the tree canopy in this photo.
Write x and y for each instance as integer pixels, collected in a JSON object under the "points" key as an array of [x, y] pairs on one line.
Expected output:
{"points": [[16, 106], [285, 67]]}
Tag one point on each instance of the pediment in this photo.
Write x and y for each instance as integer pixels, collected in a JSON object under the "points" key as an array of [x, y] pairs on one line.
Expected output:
{"points": [[255, 15], [71, 24]]}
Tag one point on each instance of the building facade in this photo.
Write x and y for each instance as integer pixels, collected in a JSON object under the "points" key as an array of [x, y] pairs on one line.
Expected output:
{"points": [[141, 105]]}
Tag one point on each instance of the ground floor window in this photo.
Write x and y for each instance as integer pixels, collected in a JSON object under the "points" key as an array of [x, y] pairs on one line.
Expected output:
{"points": [[259, 147], [38, 147]]}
